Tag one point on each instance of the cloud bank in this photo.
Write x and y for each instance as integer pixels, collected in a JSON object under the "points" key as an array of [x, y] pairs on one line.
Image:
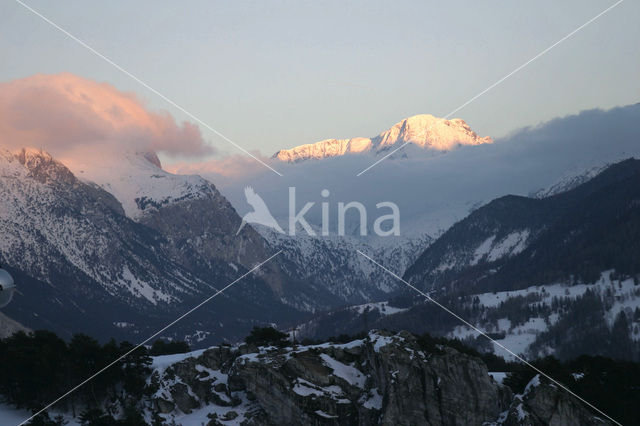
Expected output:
{"points": [[64, 113], [433, 192], [228, 168]]}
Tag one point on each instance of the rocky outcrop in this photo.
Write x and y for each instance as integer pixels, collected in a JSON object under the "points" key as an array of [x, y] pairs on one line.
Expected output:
{"points": [[543, 403], [43, 168], [386, 379]]}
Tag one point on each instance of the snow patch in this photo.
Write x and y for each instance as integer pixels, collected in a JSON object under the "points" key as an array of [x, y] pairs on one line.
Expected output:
{"points": [[498, 376], [350, 374], [373, 400], [382, 307]]}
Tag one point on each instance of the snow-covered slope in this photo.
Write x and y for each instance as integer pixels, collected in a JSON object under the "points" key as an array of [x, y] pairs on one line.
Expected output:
{"points": [[198, 222], [425, 131], [553, 307], [46, 212], [570, 180], [138, 181], [383, 378], [327, 383]]}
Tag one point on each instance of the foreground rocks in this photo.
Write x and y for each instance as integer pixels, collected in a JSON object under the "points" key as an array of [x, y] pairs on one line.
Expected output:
{"points": [[546, 404], [383, 379]]}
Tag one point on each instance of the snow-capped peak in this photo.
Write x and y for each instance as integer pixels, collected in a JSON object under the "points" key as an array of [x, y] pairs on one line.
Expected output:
{"points": [[137, 180], [40, 165], [431, 132], [424, 130]]}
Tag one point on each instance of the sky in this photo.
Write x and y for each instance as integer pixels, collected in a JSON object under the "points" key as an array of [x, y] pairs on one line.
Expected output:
{"points": [[272, 75]]}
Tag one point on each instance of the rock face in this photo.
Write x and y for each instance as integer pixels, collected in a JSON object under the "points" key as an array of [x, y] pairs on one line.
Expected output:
{"points": [[424, 130], [386, 379]]}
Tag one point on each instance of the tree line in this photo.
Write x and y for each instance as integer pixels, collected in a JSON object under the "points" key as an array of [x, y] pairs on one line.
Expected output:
{"points": [[38, 367]]}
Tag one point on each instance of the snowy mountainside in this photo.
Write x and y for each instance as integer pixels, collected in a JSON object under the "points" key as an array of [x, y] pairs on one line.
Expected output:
{"points": [[499, 230], [552, 307], [200, 228], [571, 180], [332, 262], [198, 223], [381, 378], [138, 181], [572, 282], [425, 131], [546, 239], [562, 319], [82, 265], [47, 212]]}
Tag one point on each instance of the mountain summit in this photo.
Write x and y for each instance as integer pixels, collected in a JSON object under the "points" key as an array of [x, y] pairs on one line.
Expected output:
{"points": [[424, 130]]}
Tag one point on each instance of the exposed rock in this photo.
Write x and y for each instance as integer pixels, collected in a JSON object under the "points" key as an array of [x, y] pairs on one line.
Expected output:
{"points": [[164, 406], [386, 379], [544, 403], [184, 401]]}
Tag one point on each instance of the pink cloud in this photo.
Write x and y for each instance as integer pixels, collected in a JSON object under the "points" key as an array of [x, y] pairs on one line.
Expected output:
{"points": [[231, 166], [63, 113]]}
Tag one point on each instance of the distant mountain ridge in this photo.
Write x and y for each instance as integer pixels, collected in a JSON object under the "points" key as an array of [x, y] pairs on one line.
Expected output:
{"points": [[560, 236], [424, 130]]}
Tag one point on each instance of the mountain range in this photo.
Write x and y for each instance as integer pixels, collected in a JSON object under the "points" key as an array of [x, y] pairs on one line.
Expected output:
{"points": [[116, 246], [530, 273], [425, 131], [85, 263]]}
